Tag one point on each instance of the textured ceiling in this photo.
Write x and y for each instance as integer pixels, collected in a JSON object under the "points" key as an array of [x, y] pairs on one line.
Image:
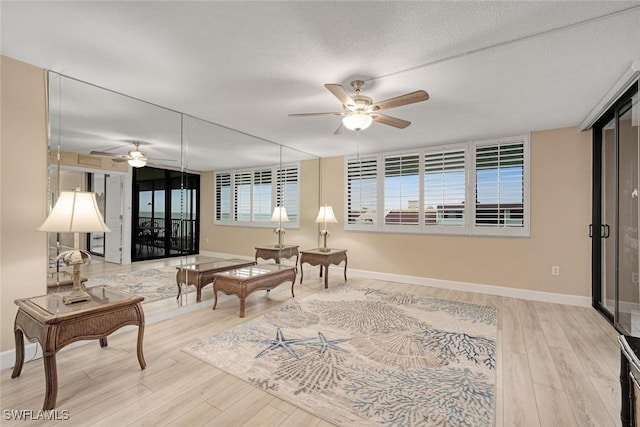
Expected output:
{"points": [[491, 68]]}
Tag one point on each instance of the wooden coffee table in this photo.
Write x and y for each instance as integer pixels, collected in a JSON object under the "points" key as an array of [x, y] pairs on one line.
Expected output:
{"points": [[47, 320], [323, 259], [200, 275], [242, 282]]}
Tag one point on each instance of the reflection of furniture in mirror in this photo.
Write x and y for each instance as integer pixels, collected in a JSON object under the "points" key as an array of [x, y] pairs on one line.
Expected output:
{"points": [[277, 253], [200, 275], [629, 377], [324, 259]]}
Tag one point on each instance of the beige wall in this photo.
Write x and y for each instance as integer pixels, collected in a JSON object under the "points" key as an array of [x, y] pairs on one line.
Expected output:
{"points": [[23, 185], [560, 216]]}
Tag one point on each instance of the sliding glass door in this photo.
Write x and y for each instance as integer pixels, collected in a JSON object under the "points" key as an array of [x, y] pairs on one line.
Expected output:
{"points": [[165, 213], [614, 230]]}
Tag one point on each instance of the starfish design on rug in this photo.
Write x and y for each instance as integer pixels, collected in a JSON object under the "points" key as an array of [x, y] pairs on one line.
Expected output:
{"points": [[281, 342], [324, 343]]}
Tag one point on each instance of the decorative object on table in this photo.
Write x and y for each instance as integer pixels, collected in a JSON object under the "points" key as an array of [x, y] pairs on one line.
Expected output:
{"points": [[325, 215], [362, 357], [280, 216], [75, 212]]}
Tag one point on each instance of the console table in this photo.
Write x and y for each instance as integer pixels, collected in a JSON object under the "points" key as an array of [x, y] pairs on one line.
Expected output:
{"points": [[200, 275], [629, 377], [323, 259], [53, 324], [277, 253]]}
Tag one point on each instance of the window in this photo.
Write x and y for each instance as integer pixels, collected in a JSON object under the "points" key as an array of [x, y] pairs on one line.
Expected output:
{"points": [[475, 188], [402, 190], [362, 190], [247, 197], [499, 190], [444, 188]]}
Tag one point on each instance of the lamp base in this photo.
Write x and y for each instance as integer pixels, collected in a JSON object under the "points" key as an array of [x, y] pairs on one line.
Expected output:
{"points": [[75, 297]]}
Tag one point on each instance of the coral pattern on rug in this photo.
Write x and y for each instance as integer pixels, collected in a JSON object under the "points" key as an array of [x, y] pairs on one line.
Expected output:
{"points": [[152, 284], [359, 356]]}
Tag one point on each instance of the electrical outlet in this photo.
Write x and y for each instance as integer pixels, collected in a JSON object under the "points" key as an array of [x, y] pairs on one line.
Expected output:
{"points": [[555, 270], [634, 278]]}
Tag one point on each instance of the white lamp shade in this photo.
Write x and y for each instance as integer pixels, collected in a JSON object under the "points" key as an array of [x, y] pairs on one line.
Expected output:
{"points": [[75, 212], [279, 214], [357, 121], [325, 214]]}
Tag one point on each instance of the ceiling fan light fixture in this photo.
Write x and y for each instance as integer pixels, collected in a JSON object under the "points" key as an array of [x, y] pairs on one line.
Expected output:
{"points": [[137, 159], [137, 162], [357, 120]]}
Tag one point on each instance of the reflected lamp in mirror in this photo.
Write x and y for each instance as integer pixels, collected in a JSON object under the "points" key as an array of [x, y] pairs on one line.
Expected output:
{"points": [[280, 216], [325, 215], [75, 212]]}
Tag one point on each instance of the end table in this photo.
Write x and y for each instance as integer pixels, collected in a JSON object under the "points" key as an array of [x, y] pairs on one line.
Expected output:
{"points": [[53, 324], [324, 259]]}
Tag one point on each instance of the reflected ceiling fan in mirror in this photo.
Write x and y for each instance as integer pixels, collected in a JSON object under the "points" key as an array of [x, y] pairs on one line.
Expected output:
{"points": [[135, 157], [359, 111]]}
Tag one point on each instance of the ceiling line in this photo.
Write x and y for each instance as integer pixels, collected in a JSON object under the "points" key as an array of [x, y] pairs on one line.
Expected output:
{"points": [[509, 42]]}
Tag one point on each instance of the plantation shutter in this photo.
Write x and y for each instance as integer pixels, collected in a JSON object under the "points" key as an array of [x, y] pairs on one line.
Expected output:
{"points": [[288, 191], [242, 196], [444, 188], [362, 191], [223, 197], [500, 185], [262, 195], [402, 189]]}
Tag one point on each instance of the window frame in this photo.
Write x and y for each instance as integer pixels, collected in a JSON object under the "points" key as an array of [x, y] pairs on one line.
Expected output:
{"points": [[275, 189], [469, 227]]}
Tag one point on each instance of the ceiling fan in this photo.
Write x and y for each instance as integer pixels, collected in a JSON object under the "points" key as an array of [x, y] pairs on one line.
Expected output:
{"points": [[359, 111], [135, 157]]}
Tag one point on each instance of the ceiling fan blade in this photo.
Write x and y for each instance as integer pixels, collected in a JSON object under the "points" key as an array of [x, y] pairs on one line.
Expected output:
{"points": [[391, 121], [160, 160], [340, 93], [119, 159], [409, 98], [102, 153], [316, 114]]}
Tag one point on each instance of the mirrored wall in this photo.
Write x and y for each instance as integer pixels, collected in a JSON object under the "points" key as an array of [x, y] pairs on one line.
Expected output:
{"points": [[172, 185]]}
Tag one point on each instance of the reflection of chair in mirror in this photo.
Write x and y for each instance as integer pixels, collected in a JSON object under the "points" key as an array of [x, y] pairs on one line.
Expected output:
{"points": [[147, 235], [176, 241]]}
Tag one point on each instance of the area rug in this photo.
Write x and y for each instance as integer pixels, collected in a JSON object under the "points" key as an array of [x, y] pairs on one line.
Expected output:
{"points": [[152, 284], [360, 357]]}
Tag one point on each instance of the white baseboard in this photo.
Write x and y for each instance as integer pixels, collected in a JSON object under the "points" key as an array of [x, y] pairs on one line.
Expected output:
{"points": [[476, 287], [33, 351]]}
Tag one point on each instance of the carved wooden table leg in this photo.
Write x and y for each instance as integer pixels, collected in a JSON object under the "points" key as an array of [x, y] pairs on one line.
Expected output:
{"points": [[51, 381], [17, 368]]}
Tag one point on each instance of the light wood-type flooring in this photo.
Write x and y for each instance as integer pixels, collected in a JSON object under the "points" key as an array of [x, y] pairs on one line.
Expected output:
{"points": [[557, 365]]}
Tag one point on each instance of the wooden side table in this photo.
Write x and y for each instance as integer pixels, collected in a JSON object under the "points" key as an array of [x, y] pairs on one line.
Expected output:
{"points": [[47, 320], [323, 259], [277, 253]]}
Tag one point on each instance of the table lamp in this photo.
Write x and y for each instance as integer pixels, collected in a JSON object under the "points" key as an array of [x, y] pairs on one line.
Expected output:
{"points": [[279, 215], [75, 212], [325, 215]]}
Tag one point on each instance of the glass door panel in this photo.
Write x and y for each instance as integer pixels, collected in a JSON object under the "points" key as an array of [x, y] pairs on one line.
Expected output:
{"points": [[628, 292], [608, 216]]}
